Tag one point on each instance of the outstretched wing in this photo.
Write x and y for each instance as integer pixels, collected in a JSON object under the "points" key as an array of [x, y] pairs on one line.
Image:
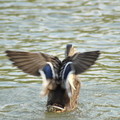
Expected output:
{"points": [[76, 64], [30, 63], [37, 64], [83, 61]]}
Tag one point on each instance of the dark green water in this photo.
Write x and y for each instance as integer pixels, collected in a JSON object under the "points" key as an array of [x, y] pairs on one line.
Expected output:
{"points": [[47, 26]]}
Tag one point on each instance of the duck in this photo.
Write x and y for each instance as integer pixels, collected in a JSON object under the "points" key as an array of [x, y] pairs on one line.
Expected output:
{"points": [[60, 81]]}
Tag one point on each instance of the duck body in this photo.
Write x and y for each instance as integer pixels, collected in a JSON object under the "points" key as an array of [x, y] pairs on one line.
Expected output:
{"points": [[60, 81]]}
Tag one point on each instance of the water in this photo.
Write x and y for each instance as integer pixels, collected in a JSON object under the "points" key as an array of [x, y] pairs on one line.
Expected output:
{"points": [[47, 26]]}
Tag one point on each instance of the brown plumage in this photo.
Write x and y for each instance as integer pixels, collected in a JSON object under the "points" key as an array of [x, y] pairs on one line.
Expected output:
{"points": [[82, 61], [56, 74], [30, 62]]}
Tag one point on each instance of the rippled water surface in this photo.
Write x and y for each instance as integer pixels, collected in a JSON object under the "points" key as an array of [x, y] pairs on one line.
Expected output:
{"points": [[47, 26]]}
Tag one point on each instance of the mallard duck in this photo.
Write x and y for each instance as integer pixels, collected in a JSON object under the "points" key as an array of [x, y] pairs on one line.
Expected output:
{"points": [[60, 81]]}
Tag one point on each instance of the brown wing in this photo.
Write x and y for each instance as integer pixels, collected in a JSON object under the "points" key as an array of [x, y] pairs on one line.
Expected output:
{"points": [[29, 62], [83, 61]]}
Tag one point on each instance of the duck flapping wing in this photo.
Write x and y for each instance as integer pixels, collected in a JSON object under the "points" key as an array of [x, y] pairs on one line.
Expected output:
{"points": [[50, 67], [37, 64], [83, 61], [76, 64]]}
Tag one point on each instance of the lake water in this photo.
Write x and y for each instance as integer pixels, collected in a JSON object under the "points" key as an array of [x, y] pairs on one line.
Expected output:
{"points": [[47, 26]]}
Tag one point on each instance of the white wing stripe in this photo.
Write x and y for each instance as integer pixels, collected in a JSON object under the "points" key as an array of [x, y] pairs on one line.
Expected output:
{"points": [[70, 79], [44, 84]]}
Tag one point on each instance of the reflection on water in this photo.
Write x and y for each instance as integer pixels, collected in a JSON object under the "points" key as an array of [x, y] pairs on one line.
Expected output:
{"points": [[47, 26]]}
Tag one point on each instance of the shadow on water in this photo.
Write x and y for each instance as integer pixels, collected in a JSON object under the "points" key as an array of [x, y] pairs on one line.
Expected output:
{"points": [[47, 26]]}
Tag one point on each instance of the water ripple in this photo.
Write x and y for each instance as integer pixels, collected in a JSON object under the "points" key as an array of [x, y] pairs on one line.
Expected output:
{"points": [[47, 26]]}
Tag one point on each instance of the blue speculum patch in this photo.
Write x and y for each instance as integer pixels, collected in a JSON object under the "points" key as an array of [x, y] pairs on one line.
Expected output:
{"points": [[48, 72], [67, 70]]}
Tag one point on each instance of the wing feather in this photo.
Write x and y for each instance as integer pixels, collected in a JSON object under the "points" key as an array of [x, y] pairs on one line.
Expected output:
{"points": [[29, 62], [83, 61]]}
